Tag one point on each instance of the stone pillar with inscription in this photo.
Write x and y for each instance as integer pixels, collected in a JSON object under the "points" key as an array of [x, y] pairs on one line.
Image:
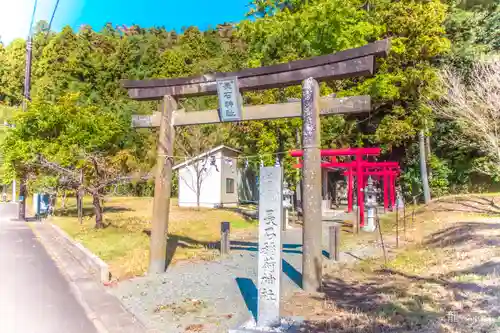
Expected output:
{"points": [[269, 262], [312, 264], [270, 219]]}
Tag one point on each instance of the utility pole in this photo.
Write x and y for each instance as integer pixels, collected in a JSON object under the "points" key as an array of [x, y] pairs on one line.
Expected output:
{"points": [[27, 97], [27, 72], [423, 168]]}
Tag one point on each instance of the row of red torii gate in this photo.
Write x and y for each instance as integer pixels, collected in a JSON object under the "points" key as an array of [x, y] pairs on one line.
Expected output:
{"points": [[357, 169]]}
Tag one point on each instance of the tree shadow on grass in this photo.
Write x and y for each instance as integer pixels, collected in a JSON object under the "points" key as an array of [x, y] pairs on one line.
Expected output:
{"points": [[485, 269], [177, 241], [88, 211], [247, 214], [370, 300], [462, 233], [387, 293], [479, 205], [443, 281]]}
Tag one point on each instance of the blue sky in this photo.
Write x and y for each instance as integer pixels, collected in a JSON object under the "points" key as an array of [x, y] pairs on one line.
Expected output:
{"points": [[16, 14]]}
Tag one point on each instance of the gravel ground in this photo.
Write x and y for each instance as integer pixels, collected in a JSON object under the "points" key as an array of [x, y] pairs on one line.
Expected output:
{"points": [[210, 296]]}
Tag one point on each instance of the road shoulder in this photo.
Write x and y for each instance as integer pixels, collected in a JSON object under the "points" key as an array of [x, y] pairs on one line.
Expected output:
{"points": [[104, 310]]}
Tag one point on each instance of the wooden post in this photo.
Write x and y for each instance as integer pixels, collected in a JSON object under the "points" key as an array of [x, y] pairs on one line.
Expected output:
{"points": [[163, 183], [349, 190], [423, 168], [358, 220], [360, 196], [397, 226], [311, 174], [225, 228], [334, 242], [404, 221], [413, 212], [386, 189], [79, 202], [392, 188]]}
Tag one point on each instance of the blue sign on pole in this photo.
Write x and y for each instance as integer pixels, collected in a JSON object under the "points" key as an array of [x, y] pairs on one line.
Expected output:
{"points": [[44, 203], [41, 203]]}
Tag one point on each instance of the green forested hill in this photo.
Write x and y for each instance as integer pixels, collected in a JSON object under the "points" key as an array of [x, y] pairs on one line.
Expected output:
{"points": [[80, 111]]}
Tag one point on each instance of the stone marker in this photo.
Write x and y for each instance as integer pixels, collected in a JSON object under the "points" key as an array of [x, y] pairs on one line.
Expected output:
{"points": [[270, 219], [269, 272]]}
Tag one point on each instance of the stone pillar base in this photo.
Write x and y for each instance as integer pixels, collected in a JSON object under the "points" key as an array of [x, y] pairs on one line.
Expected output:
{"points": [[287, 325]]}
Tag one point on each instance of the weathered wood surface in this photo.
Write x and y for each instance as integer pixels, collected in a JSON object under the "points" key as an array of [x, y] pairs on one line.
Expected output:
{"points": [[340, 70], [225, 243], [163, 184], [378, 49], [328, 106], [334, 242]]}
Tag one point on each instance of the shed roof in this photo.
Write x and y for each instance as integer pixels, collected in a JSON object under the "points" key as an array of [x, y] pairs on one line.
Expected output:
{"points": [[211, 151]]}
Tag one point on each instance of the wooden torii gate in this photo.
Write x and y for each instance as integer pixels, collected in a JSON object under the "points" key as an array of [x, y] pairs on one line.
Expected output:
{"points": [[345, 64]]}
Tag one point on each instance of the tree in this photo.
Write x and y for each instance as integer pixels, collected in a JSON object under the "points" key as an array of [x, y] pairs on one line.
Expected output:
{"points": [[60, 139], [475, 107], [472, 27], [424, 34], [399, 89], [12, 72], [194, 142]]}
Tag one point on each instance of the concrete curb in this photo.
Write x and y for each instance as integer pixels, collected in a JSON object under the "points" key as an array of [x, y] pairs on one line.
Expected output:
{"points": [[98, 268], [9, 210], [104, 310]]}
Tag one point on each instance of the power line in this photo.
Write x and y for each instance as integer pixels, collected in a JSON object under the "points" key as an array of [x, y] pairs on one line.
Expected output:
{"points": [[32, 18], [52, 19]]}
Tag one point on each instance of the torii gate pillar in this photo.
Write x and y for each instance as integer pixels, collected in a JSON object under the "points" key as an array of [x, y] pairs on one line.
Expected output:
{"points": [[311, 196]]}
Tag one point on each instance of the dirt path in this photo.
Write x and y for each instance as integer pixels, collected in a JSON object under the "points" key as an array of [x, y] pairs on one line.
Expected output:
{"points": [[445, 281]]}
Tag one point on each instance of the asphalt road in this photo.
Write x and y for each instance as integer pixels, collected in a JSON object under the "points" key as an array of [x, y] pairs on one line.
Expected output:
{"points": [[34, 296]]}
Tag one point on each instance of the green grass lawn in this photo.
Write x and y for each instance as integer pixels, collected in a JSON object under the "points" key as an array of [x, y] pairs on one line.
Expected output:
{"points": [[124, 243]]}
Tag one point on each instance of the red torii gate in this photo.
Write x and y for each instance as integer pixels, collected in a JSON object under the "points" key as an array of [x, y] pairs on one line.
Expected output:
{"points": [[388, 170], [357, 168]]}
